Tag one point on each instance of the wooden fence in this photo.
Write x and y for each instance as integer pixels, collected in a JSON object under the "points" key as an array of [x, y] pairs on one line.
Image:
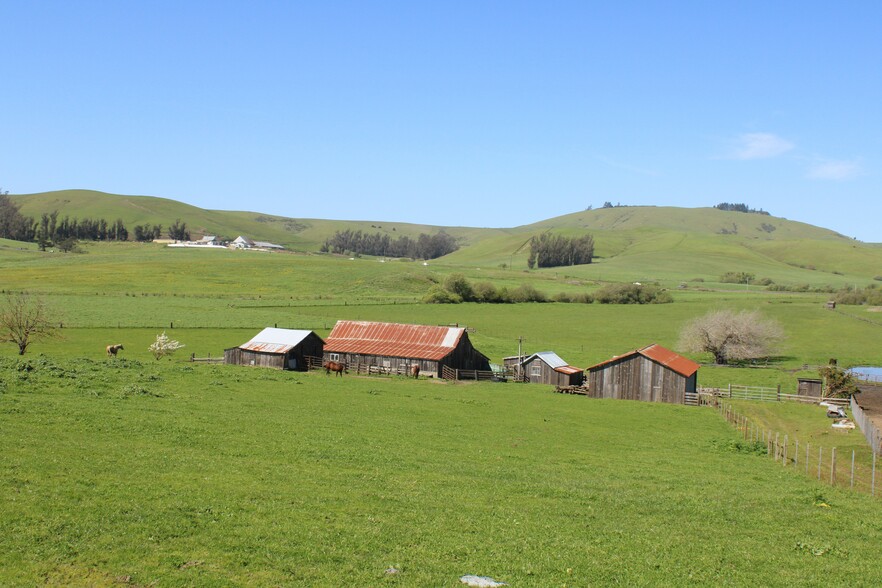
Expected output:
{"points": [[762, 393], [208, 359], [449, 373], [837, 469], [870, 430]]}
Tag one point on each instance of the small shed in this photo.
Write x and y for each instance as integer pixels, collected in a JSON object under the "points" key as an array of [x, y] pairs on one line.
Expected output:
{"points": [[285, 349], [652, 373], [545, 367], [809, 387], [395, 347]]}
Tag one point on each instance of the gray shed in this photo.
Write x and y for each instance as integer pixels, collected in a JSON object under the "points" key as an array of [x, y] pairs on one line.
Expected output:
{"points": [[285, 349]]}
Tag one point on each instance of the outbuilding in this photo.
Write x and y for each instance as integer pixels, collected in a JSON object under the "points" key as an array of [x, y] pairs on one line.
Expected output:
{"points": [[545, 367], [395, 347], [652, 374], [286, 349]]}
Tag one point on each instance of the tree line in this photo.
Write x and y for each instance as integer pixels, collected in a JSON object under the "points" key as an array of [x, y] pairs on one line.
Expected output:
{"points": [[549, 250], [740, 207], [51, 229], [425, 246]]}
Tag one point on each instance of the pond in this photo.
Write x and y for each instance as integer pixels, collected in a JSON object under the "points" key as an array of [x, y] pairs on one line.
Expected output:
{"points": [[866, 372]]}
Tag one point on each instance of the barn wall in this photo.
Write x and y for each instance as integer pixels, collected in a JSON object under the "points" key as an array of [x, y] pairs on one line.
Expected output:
{"points": [[428, 367], [238, 356], [639, 378], [466, 357]]}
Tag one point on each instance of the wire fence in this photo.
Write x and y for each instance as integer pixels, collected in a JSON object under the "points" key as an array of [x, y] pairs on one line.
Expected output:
{"points": [[849, 468]]}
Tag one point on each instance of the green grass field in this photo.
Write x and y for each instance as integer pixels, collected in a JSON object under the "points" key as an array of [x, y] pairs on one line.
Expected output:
{"points": [[141, 472], [130, 472]]}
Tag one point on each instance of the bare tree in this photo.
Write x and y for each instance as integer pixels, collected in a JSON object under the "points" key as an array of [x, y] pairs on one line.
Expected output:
{"points": [[23, 318], [732, 336]]}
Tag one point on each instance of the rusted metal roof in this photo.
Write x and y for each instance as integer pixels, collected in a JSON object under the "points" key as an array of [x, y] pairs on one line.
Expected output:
{"points": [[683, 366], [393, 339], [568, 370], [272, 340]]}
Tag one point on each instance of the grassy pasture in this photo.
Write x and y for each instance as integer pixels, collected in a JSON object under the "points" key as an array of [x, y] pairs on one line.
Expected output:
{"points": [[125, 471], [141, 471]]}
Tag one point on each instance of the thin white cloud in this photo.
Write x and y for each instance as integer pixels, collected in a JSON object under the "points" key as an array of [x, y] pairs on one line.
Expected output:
{"points": [[830, 169], [760, 146]]}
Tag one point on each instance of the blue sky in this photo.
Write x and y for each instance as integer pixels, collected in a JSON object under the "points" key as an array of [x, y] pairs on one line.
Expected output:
{"points": [[490, 114]]}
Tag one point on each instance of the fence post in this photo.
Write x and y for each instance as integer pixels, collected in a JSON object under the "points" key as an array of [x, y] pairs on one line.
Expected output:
{"points": [[852, 469], [778, 395], [833, 467], [730, 389], [776, 446], [784, 456], [873, 477]]}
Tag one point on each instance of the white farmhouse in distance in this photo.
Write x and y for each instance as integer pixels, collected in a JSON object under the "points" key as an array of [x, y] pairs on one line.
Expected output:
{"points": [[241, 242]]}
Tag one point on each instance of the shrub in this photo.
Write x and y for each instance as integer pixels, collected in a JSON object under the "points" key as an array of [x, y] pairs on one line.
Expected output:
{"points": [[737, 278], [486, 292], [459, 285], [632, 294], [438, 295], [527, 293]]}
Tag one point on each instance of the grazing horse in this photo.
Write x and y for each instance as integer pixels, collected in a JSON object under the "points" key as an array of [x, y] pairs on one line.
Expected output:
{"points": [[334, 366], [415, 370], [113, 349]]}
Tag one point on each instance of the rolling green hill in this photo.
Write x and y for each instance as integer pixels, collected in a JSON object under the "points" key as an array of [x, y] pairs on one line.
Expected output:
{"points": [[645, 243]]}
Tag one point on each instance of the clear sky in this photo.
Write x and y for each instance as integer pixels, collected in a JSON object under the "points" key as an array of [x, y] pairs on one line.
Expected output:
{"points": [[491, 114]]}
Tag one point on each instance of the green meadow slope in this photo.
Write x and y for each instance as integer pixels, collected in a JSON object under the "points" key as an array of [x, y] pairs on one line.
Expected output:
{"points": [[632, 243]]}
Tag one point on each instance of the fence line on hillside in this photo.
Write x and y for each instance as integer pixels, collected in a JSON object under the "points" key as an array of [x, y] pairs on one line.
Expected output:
{"points": [[764, 393], [813, 460]]}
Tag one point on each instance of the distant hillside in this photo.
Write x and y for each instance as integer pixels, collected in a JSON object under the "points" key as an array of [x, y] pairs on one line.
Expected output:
{"points": [[632, 242], [298, 234]]}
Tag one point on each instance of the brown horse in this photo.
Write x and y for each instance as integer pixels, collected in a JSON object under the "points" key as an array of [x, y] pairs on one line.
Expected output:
{"points": [[113, 349], [415, 370], [334, 366]]}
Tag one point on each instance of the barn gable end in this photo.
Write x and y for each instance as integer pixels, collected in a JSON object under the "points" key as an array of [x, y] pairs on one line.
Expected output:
{"points": [[651, 374], [277, 348]]}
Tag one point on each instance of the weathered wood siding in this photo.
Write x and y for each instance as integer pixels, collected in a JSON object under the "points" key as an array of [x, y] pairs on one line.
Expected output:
{"points": [[463, 357], [548, 375], [393, 364], [639, 378], [809, 387]]}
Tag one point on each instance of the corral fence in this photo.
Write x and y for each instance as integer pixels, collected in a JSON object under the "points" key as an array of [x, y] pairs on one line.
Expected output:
{"points": [[367, 369], [449, 373], [870, 430], [842, 469], [208, 359], [762, 393]]}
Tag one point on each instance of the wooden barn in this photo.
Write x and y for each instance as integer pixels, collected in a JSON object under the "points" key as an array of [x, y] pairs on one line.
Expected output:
{"points": [[396, 347], [652, 374], [810, 387], [545, 367], [285, 349]]}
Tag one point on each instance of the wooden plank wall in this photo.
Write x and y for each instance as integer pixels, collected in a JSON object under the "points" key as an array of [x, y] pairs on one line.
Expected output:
{"points": [[639, 378]]}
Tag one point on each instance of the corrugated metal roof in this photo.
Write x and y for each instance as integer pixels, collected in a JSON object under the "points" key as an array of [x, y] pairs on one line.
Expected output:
{"points": [[272, 340], [683, 366], [678, 363], [553, 360], [393, 339], [568, 370]]}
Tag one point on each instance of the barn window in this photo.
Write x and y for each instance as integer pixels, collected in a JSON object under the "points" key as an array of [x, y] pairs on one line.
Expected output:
{"points": [[333, 357], [536, 369]]}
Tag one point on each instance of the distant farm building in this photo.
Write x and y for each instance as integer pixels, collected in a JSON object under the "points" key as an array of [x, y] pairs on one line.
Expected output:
{"points": [[285, 349], [652, 374], [810, 387], [241, 242], [545, 367], [393, 347]]}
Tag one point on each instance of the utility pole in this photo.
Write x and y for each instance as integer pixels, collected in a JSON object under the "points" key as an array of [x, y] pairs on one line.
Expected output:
{"points": [[520, 359]]}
